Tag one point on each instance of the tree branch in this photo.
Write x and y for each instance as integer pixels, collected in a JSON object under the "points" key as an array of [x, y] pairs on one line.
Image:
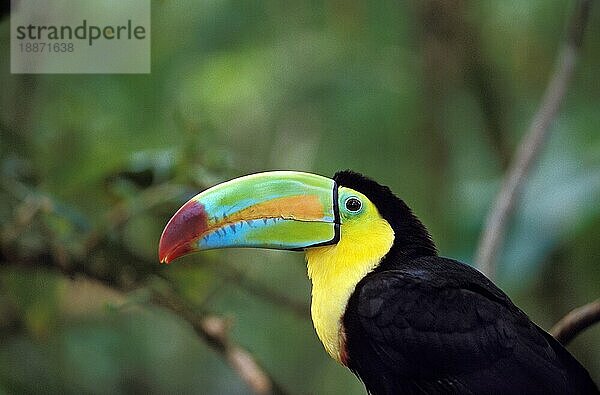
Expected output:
{"points": [[215, 331], [211, 328], [264, 292], [576, 321], [529, 148]]}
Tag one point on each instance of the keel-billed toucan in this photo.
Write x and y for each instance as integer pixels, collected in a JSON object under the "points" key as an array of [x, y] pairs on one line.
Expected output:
{"points": [[384, 304]]}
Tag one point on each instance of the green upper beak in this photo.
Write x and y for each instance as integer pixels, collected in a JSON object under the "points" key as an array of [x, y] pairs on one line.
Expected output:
{"points": [[281, 209]]}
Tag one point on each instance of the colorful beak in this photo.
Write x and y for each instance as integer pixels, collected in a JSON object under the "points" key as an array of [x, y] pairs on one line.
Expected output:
{"points": [[283, 210]]}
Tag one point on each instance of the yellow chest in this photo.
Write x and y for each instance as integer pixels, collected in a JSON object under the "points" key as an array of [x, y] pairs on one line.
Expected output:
{"points": [[335, 270]]}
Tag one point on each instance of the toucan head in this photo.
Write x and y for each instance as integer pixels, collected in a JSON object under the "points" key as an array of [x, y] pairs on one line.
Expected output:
{"points": [[291, 210]]}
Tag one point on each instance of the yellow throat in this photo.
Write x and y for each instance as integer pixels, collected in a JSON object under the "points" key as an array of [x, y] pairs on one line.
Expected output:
{"points": [[335, 270]]}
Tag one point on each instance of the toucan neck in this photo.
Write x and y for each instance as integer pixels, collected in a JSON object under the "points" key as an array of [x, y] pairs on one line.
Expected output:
{"points": [[410, 249], [412, 240], [335, 270]]}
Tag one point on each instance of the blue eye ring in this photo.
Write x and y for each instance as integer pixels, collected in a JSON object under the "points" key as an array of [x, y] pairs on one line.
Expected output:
{"points": [[353, 204]]}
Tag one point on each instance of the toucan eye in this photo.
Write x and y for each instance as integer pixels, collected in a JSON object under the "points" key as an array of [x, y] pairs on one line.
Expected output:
{"points": [[353, 204]]}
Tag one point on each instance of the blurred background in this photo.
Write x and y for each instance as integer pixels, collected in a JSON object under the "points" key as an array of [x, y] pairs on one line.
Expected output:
{"points": [[429, 97]]}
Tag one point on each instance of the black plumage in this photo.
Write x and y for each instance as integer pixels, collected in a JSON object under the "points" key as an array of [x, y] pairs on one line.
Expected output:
{"points": [[423, 324]]}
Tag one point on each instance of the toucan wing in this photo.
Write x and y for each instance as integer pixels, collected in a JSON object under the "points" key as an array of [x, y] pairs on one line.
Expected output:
{"points": [[439, 326]]}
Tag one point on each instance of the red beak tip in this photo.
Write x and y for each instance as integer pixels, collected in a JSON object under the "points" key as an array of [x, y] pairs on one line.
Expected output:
{"points": [[167, 256], [165, 261], [185, 226], [163, 253]]}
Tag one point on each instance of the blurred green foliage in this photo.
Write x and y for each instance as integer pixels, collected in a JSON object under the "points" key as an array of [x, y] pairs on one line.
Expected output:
{"points": [[428, 97]]}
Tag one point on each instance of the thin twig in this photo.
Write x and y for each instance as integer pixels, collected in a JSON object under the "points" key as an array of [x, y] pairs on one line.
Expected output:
{"points": [[262, 291], [215, 331], [25, 213], [119, 214], [576, 321], [529, 149]]}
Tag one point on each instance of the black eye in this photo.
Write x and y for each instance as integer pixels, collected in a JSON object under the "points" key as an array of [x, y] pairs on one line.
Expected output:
{"points": [[353, 204]]}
